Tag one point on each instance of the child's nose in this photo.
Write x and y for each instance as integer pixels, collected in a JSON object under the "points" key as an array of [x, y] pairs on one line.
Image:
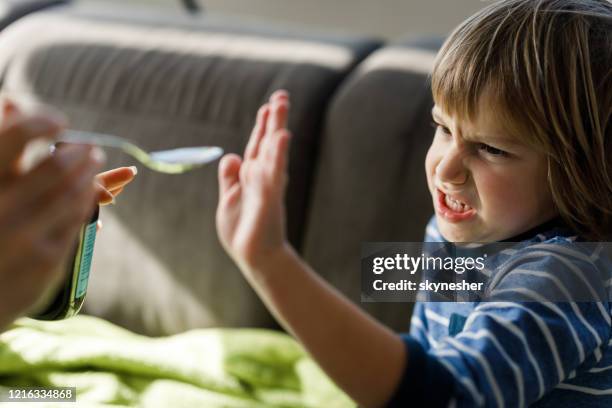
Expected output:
{"points": [[451, 168]]}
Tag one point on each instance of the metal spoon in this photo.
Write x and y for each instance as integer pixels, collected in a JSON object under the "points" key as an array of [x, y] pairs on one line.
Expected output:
{"points": [[173, 161]]}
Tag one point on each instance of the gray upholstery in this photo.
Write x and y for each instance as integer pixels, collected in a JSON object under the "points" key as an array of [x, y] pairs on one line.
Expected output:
{"points": [[12, 10], [356, 166], [158, 266], [370, 183]]}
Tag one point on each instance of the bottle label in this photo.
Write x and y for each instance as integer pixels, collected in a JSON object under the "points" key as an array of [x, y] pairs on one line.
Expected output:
{"points": [[89, 239]]}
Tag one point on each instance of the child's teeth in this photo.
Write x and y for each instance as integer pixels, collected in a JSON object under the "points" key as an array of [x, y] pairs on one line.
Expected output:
{"points": [[456, 205]]}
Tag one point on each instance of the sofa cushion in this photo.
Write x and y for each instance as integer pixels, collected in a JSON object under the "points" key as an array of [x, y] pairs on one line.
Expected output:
{"points": [[172, 81], [12, 10], [370, 183]]}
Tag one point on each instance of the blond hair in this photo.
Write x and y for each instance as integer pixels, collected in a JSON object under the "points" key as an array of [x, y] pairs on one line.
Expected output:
{"points": [[548, 65]]}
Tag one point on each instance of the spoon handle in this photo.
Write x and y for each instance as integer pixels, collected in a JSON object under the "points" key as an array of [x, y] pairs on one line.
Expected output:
{"points": [[101, 139]]}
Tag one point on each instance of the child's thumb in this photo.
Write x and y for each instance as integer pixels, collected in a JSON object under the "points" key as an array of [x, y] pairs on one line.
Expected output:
{"points": [[229, 172]]}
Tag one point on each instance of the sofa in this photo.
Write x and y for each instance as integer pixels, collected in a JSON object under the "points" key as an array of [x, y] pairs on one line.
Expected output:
{"points": [[360, 115]]}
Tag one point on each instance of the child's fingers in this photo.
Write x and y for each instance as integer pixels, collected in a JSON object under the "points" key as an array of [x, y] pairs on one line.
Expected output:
{"points": [[278, 115], [228, 201], [258, 132], [229, 172], [280, 155], [279, 94], [262, 123], [116, 178], [279, 111]]}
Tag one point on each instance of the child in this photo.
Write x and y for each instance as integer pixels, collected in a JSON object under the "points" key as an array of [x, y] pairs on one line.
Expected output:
{"points": [[523, 99]]}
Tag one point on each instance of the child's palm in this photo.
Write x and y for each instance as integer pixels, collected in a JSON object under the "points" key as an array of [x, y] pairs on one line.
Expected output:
{"points": [[250, 215]]}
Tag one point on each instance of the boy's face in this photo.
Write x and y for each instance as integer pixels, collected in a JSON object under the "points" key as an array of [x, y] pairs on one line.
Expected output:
{"points": [[485, 186]]}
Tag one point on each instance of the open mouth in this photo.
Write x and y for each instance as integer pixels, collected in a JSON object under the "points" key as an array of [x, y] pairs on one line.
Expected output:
{"points": [[453, 209]]}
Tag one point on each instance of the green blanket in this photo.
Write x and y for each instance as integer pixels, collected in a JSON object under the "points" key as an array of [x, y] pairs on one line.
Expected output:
{"points": [[201, 368]]}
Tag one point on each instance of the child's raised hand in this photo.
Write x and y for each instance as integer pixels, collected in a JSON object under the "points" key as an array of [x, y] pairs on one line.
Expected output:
{"points": [[250, 215]]}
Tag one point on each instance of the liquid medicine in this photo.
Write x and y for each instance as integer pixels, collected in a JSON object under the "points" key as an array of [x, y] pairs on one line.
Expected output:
{"points": [[70, 296]]}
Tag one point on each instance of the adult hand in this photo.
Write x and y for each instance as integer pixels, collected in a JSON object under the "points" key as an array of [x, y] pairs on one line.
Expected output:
{"points": [[250, 215], [41, 211], [109, 184], [112, 182]]}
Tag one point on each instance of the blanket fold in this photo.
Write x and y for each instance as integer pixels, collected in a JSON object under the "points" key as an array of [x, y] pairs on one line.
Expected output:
{"points": [[213, 368]]}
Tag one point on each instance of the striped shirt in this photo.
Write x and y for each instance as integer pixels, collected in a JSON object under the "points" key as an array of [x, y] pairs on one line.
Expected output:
{"points": [[515, 353]]}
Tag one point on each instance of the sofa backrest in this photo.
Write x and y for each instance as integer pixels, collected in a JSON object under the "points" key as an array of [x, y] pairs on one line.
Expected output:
{"points": [[165, 82], [13, 10], [370, 182]]}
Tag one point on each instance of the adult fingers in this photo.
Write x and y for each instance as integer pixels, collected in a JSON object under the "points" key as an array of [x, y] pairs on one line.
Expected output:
{"points": [[115, 192], [37, 272], [70, 206], [112, 182], [31, 247], [54, 173], [66, 220], [18, 132], [116, 178], [9, 109], [104, 196], [37, 196]]}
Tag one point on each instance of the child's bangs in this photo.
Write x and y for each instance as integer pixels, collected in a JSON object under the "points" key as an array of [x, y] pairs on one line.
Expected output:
{"points": [[464, 83], [457, 83], [477, 67]]}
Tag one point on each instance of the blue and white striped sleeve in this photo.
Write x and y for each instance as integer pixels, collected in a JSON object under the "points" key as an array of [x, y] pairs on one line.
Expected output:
{"points": [[516, 347]]}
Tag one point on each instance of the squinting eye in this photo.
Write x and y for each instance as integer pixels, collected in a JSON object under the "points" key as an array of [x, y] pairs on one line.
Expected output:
{"points": [[444, 129], [491, 150]]}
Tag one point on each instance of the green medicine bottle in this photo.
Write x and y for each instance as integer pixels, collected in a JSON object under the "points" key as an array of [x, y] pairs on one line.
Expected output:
{"points": [[70, 296]]}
